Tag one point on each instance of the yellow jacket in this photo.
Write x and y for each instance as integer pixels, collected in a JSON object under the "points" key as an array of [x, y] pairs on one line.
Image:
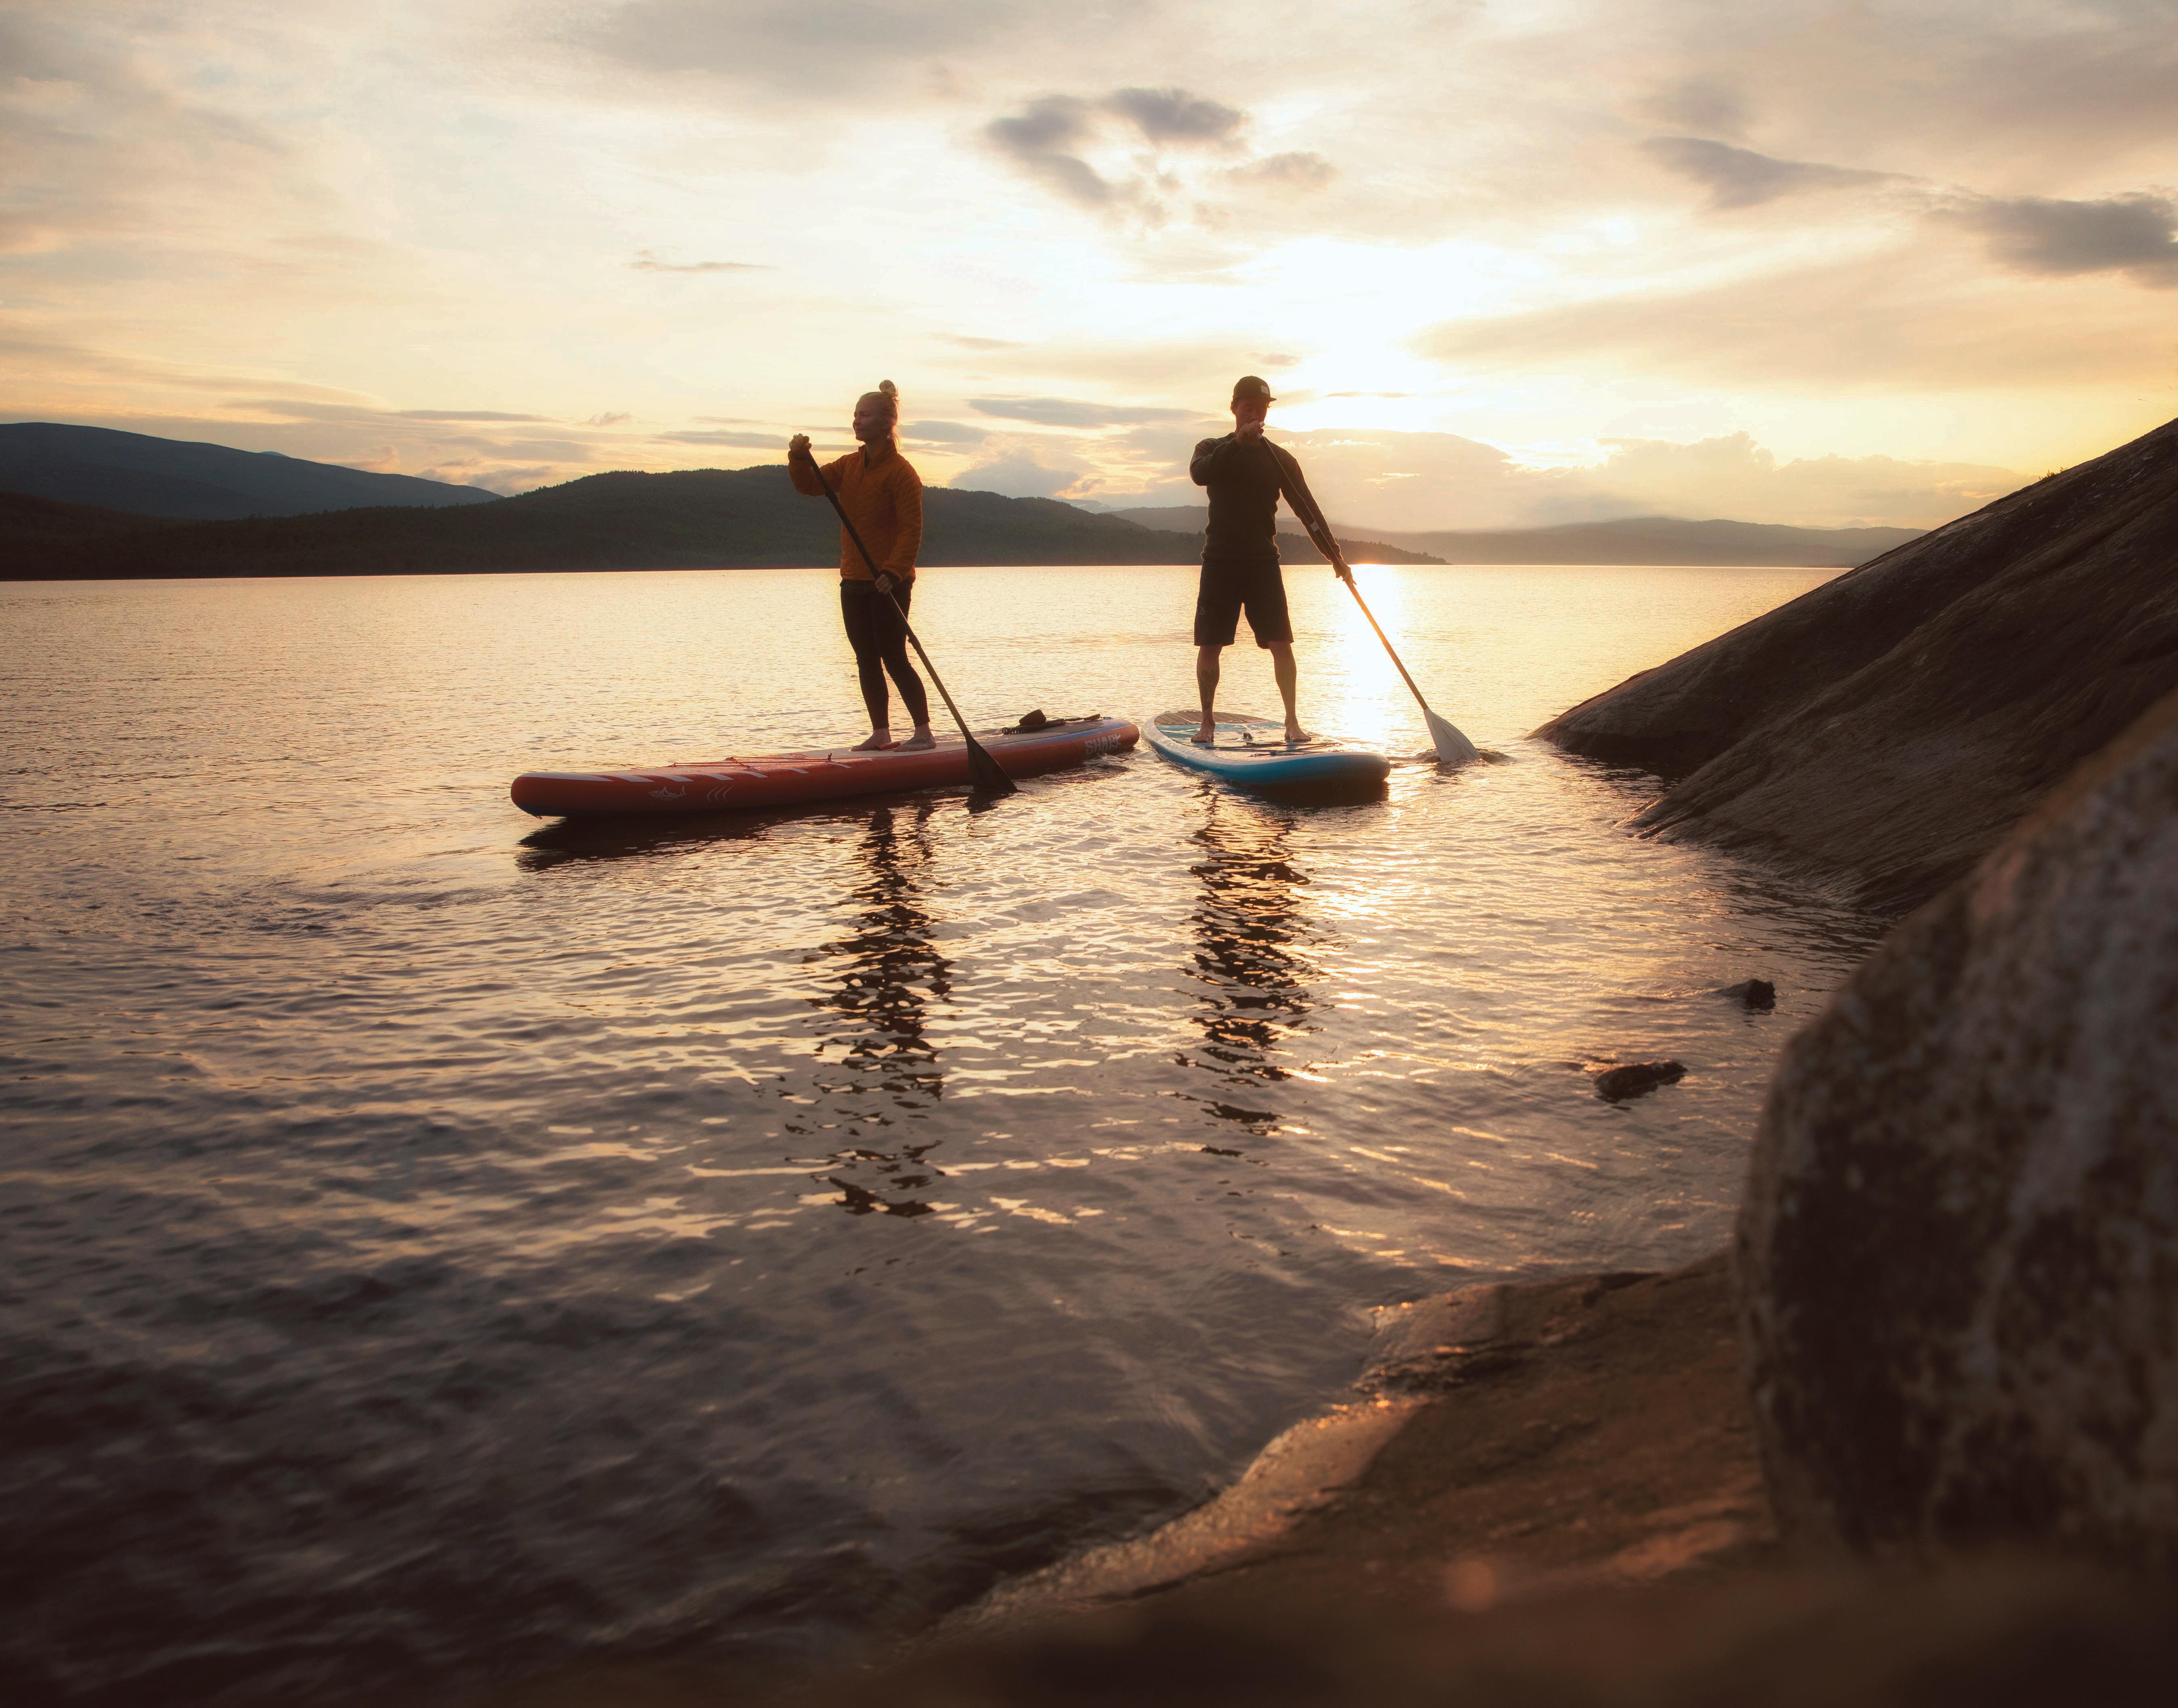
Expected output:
{"points": [[883, 497]]}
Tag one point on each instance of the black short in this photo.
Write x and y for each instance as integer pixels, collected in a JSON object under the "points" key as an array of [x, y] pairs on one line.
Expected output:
{"points": [[1228, 588]]}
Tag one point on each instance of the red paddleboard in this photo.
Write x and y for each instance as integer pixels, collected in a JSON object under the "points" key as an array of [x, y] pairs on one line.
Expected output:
{"points": [[792, 780]]}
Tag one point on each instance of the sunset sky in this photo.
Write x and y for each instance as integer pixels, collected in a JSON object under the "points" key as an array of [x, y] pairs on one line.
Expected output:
{"points": [[1504, 264]]}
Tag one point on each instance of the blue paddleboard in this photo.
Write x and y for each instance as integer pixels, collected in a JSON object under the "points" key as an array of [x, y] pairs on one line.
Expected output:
{"points": [[1254, 753]]}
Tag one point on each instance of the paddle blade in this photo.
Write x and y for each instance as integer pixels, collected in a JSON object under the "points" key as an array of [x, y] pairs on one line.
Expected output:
{"points": [[985, 772], [1452, 748]]}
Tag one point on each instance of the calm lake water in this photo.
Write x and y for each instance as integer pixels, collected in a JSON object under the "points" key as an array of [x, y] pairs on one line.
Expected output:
{"points": [[435, 1246]]}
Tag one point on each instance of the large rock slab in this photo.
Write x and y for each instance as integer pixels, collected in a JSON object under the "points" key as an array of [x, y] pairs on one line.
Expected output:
{"points": [[1958, 1253], [1882, 731]]}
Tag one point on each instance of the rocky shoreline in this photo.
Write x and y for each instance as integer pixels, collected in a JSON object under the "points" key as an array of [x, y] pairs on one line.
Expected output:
{"points": [[1880, 733], [1915, 1438]]}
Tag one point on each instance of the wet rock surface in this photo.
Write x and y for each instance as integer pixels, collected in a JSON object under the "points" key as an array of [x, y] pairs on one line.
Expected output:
{"points": [[1884, 731], [1959, 1246]]}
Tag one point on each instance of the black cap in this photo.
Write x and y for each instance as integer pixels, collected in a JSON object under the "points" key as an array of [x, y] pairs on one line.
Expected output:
{"points": [[1250, 386]]}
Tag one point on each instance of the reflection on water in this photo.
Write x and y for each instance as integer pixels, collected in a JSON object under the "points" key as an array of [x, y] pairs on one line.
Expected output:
{"points": [[882, 980], [1252, 996], [569, 841]]}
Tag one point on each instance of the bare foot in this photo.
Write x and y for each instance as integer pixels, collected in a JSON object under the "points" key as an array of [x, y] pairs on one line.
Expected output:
{"points": [[1295, 735], [877, 742], [919, 741], [1207, 737]]}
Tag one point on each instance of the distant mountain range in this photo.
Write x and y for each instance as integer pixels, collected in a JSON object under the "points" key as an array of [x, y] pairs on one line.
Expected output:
{"points": [[151, 476], [1667, 539], [1627, 540], [313, 518], [716, 518]]}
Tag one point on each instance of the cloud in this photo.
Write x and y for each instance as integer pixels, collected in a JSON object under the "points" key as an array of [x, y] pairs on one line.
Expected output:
{"points": [[28, 354], [1040, 140], [505, 479], [830, 51], [310, 409], [1048, 136], [1067, 411], [738, 441], [611, 417], [1291, 172], [647, 262], [1740, 177], [944, 433], [2137, 235], [358, 410], [961, 341], [1176, 118], [1028, 468], [1047, 125], [1697, 104], [1733, 476], [1899, 322], [1078, 147], [1947, 90], [96, 146], [464, 415]]}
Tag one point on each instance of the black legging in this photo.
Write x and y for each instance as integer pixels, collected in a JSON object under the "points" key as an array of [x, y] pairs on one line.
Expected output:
{"points": [[879, 635]]}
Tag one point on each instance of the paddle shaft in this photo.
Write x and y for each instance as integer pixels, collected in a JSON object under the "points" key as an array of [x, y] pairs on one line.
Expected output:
{"points": [[1319, 530], [979, 758]]}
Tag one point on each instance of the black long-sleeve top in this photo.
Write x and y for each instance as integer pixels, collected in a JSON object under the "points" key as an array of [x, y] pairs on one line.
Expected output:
{"points": [[1244, 488]]}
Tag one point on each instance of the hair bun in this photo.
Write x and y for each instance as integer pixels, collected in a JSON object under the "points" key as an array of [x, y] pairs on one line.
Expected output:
{"points": [[889, 389]]}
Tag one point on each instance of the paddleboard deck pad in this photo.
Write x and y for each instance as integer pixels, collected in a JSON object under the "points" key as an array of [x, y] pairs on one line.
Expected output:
{"points": [[793, 780], [1254, 753]]}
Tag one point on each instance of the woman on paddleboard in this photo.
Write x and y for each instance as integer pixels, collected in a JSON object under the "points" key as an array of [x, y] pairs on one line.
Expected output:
{"points": [[882, 495]]}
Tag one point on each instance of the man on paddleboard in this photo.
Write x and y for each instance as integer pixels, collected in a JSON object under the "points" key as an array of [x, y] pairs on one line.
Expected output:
{"points": [[882, 495], [1246, 474]]}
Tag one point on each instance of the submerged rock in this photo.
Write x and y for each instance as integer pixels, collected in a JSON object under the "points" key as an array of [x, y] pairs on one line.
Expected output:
{"points": [[1884, 731], [1635, 1078], [1958, 1252], [1756, 995]]}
